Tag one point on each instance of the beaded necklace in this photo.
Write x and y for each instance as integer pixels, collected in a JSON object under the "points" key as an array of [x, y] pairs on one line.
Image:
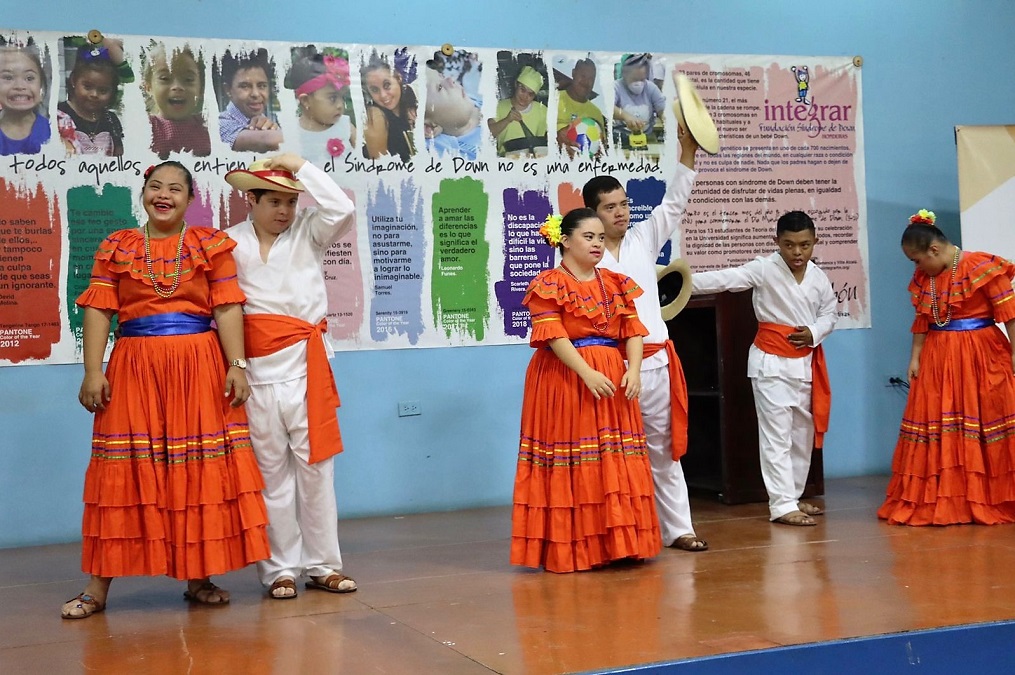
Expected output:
{"points": [[601, 327], [160, 290], [934, 309]]}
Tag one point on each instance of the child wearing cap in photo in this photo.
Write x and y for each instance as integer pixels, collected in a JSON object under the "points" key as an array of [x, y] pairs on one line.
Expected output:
{"points": [[796, 311], [320, 83], [520, 122], [292, 407]]}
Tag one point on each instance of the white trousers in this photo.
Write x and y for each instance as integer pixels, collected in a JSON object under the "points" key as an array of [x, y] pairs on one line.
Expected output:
{"points": [[785, 439], [302, 513], [672, 503]]}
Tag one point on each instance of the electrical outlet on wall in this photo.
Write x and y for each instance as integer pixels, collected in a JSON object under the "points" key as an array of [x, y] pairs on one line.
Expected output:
{"points": [[409, 408]]}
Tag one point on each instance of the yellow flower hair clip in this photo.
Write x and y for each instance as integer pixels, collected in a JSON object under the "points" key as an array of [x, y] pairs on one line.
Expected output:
{"points": [[922, 217], [551, 229]]}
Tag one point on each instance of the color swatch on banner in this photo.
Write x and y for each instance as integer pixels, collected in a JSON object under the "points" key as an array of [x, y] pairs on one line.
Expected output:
{"points": [[644, 195], [461, 253], [526, 254], [30, 249], [343, 280], [397, 249], [91, 216]]}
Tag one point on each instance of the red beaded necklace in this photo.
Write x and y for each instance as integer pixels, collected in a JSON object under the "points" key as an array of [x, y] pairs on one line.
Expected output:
{"points": [[601, 327]]}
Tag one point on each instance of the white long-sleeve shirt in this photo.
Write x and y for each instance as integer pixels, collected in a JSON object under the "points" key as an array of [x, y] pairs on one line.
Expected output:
{"points": [[639, 250], [291, 282], [778, 298]]}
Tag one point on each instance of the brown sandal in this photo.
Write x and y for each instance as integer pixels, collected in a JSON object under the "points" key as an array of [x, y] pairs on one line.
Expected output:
{"points": [[333, 583], [690, 542], [798, 518], [811, 509], [202, 595], [282, 584], [88, 604]]}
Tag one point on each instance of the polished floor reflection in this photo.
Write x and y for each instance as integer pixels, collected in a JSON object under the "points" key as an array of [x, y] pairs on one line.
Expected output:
{"points": [[437, 596]]}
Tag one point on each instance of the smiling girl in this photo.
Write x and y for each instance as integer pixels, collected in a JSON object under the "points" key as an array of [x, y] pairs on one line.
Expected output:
{"points": [[23, 126]]}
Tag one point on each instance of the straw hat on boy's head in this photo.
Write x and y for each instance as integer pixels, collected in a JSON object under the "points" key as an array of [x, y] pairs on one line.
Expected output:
{"points": [[258, 177]]}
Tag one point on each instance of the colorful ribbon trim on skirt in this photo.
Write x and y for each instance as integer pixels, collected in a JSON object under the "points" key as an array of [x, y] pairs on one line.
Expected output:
{"points": [[678, 397], [975, 323], [772, 339], [169, 323]]}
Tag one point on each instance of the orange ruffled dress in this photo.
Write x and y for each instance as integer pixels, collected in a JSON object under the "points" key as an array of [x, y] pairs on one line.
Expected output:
{"points": [[172, 487], [583, 492], [955, 458]]}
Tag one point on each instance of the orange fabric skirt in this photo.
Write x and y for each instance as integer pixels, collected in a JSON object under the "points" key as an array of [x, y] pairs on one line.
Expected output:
{"points": [[172, 487], [583, 492], [955, 458]]}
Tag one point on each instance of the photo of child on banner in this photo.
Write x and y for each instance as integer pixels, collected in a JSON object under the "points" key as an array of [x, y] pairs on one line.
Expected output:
{"points": [[581, 123], [519, 125], [24, 126], [452, 109], [173, 87], [94, 69], [319, 80], [247, 101]]}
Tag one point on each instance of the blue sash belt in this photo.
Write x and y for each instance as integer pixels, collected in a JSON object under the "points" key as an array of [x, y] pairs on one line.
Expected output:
{"points": [[170, 323], [594, 341], [964, 324]]}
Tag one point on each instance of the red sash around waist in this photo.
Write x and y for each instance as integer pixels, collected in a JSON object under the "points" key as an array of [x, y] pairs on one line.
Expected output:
{"points": [[266, 334], [771, 339], [678, 398]]}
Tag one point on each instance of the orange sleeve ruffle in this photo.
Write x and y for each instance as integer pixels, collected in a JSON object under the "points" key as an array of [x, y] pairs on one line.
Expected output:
{"points": [[574, 299], [976, 271], [205, 251], [103, 287]]}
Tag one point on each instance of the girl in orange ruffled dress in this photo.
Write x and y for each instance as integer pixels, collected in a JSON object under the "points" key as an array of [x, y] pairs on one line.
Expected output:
{"points": [[172, 487], [955, 457], [583, 493]]}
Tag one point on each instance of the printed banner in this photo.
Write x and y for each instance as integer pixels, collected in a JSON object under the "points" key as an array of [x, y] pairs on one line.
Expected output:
{"points": [[454, 157]]}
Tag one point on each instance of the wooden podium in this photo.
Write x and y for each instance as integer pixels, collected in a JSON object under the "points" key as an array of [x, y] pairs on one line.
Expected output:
{"points": [[712, 336]]}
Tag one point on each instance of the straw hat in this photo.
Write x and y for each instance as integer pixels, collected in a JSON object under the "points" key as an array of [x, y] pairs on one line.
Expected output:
{"points": [[692, 113], [674, 282], [259, 178]]}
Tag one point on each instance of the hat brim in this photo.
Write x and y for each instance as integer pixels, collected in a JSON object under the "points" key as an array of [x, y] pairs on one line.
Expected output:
{"points": [[674, 282], [244, 180], [692, 113]]}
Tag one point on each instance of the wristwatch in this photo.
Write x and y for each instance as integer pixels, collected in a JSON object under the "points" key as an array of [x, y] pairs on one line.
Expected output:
{"points": [[239, 363]]}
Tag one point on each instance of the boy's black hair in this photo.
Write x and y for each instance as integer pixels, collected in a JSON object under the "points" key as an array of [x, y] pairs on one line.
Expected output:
{"points": [[597, 187], [794, 221]]}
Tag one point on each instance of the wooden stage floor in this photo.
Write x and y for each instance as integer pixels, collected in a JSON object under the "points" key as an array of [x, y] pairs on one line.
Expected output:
{"points": [[437, 596]]}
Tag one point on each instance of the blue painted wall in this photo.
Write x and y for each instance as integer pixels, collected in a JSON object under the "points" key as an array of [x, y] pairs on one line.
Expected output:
{"points": [[929, 65]]}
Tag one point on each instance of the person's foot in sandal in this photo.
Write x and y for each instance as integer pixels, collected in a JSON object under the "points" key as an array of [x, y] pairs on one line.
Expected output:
{"points": [[333, 583], [811, 509], [283, 588], [690, 542], [82, 607], [90, 601], [797, 518], [204, 592]]}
